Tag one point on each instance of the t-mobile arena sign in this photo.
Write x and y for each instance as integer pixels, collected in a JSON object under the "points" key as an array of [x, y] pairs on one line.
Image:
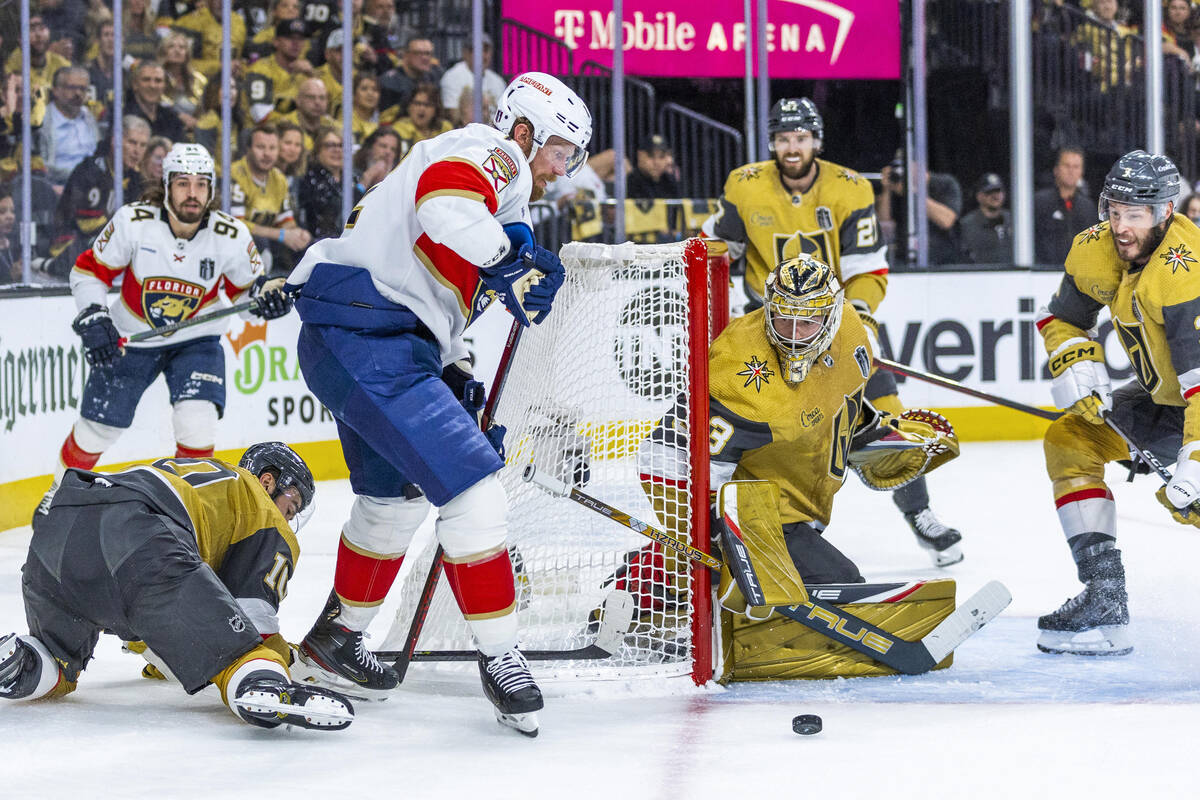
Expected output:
{"points": [[684, 38]]}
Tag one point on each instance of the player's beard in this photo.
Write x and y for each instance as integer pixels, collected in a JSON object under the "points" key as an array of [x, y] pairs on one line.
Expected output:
{"points": [[1153, 239], [795, 173], [190, 214]]}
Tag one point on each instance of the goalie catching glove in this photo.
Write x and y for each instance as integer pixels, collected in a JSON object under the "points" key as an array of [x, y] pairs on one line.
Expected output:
{"points": [[1081, 385], [1183, 490], [889, 452], [526, 283]]}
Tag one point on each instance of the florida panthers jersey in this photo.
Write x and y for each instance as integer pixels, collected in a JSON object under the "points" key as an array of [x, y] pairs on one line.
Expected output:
{"points": [[1155, 310], [459, 188], [166, 279], [834, 221]]}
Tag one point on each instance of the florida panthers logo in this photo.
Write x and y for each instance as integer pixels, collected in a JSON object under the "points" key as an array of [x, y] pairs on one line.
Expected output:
{"points": [[167, 300]]}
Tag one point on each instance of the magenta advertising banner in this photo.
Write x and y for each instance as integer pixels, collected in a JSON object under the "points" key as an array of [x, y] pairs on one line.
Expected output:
{"points": [[685, 38]]}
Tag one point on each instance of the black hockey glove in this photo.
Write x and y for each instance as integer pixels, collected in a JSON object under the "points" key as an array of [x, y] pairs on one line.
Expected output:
{"points": [[271, 301], [527, 283], [101, 342], [473, 398]]}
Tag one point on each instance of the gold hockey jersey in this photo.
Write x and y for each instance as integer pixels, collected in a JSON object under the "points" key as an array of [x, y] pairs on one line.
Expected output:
{"points": [[268, 204], [239, 530], [797, 436], [1155, 310], [834, 221]]}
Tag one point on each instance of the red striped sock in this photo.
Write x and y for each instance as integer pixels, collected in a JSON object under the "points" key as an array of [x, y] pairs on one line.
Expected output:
{"points": [[483, 587], [363, 579], [192, 452], [74, 456]]}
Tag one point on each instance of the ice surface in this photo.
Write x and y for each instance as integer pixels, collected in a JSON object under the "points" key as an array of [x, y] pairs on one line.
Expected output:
{"points": [[1005, 719]]}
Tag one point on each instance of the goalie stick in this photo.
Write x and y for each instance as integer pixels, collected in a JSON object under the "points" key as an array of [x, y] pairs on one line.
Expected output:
{"points": [[910, 658], [947, 383]]}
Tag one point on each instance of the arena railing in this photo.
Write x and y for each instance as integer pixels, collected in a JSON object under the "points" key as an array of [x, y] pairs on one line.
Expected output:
{"points": [[594, 86], [523, 48], [706, 151]]}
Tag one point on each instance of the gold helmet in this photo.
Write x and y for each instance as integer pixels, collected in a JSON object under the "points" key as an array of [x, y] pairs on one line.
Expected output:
{"points": [[803, 309]]}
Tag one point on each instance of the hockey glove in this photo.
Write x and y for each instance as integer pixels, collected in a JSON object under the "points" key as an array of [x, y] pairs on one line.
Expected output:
{"points": [[894, 451], [518, 282], [1081, 384], [473, 398], [271, 302], [101, 342], [1183, 490]]}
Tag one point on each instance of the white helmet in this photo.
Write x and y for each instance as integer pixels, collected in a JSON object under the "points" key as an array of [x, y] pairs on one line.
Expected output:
{"points": [[553, 109], [188, 159]]}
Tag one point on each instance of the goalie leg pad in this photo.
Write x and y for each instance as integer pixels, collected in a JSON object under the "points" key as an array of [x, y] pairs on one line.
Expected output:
{"points": [[756, 557]]}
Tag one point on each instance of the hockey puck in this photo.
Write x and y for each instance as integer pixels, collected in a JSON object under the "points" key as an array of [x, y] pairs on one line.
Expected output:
{"points": [[806, 724]]}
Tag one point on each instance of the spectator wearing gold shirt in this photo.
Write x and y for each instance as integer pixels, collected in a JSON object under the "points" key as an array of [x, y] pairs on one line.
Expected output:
{"points": [[207, 26]]}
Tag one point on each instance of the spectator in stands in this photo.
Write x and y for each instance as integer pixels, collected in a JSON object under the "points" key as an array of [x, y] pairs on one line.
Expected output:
{"points": [[209, 129], [100, 76], [424, 119], [272, 83], [1176, 30], [381, 30], [259, 196], [986, 232], [262, 44], [377, 157], [139, 34], [320, 191], [1062, 210], [11, 268], [88, 199], [43, 62], [66, 20], [185, 84], [1190, 208], [330, 72], [10, 124], [311, 114], [152, 168], [655, 174], [943, 203], [417, 66], [149, 82], [366, 107], [459, 82], [293, 158], [69, 132], [1108, 47], [208, 28]]}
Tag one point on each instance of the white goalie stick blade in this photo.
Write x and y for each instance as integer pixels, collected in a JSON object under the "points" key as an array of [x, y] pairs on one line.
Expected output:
{"points": [[524, 724], [978, 610], [319, 711]]}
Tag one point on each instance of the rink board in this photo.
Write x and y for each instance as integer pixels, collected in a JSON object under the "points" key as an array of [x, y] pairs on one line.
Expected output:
{"points": [[977, 328]]}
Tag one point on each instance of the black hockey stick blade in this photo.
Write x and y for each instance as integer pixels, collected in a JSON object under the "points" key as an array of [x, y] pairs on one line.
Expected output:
{"points": [[953, 385], [910, 658], [618, 615]]}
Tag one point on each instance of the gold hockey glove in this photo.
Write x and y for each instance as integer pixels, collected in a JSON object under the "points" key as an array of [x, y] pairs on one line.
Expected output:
{"points": [[895, 451]]}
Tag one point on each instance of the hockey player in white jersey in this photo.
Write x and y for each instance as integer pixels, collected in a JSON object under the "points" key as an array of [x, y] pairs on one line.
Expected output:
{"points": [[177, 254], [384, 308]]}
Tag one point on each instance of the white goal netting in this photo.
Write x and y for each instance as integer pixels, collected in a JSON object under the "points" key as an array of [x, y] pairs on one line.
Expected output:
{"points": [[584, 390]]}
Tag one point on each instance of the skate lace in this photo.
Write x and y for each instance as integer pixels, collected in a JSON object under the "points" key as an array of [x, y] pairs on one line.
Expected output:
{"points": [[365, 657], [510, 671], [1073, 603], [928, 524]]}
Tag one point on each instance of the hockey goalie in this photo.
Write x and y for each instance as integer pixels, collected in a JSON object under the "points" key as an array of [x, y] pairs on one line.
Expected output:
{"points": [[788, 420]]}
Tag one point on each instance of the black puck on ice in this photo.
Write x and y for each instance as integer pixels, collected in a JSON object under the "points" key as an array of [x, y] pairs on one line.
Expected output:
{"points": [[806, 724]]}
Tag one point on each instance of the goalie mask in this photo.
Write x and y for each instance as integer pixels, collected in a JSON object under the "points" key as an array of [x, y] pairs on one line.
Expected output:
{"points": [[802, 311], [552, 109]]}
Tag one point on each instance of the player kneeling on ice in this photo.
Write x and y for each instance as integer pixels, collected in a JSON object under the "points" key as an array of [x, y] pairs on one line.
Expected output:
{"points": [[384, 309], [190, 556], [787, 411], [1140, 261], [176, 253]]}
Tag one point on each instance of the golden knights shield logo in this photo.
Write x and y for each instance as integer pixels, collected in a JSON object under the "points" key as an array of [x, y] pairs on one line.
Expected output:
{"points": [[1133, 339], [166, 301]]}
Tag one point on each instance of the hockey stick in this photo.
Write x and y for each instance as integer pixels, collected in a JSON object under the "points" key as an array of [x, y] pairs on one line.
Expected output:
{"points": [[947, 383], [618, 614], [188, 323], [901, 655], [1144, 455], [406, 656]]}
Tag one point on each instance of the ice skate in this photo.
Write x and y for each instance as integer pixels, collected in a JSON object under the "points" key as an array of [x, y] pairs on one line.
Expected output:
{"points": [[265, 700], [512, 690], [941, 541], [1093, 623], [335, 656], [20, 668]]}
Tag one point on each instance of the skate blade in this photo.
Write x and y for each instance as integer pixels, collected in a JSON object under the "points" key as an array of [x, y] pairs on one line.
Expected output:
{"points": [[524, 724], [317, 712], [1106, 640], [948, 557], [305, 670]]}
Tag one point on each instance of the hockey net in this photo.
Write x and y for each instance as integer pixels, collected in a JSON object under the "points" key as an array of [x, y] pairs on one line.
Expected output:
{"points": [[627, 339]]}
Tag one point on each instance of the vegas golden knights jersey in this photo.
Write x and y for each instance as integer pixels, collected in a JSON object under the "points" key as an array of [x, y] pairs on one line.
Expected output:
{"points": [[833, 221], [795, 435], [1155, 310], [268, 205], [239, 530]]}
